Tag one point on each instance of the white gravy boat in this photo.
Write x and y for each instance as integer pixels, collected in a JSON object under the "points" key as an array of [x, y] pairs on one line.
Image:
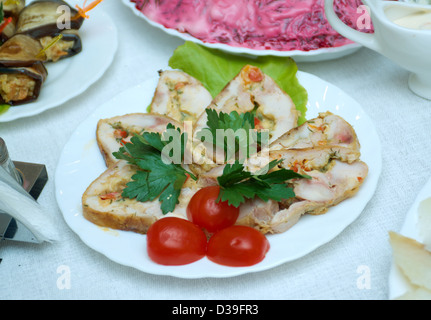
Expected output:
{"points": [[409, 47]]}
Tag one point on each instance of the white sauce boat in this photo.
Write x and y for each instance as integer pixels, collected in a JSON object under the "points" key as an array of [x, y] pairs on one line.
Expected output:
{"points": [[402, 33]]}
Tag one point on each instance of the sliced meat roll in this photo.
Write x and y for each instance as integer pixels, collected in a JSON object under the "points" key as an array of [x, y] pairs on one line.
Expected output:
{"points": [[113, 132], [314, 196], [327, 129], [180, 96], [103, 205], [252, 90]]}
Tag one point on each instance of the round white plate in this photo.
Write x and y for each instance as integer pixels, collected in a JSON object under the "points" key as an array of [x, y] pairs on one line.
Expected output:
{"points": [[81, 163], [298, 55], [398, 284], [70, 77]]}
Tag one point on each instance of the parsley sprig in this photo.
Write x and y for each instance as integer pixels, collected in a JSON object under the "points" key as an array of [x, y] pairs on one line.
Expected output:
{"points": [[232, 121], [155, 178], [237, 184]]}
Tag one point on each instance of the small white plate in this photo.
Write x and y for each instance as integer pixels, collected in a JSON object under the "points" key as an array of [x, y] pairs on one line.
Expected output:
{"points": [[398, 284], [70, 77], [81, 163], [298, 55]]}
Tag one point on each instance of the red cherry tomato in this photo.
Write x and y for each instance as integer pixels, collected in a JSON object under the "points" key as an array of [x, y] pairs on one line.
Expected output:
{"points": [[175, 241], [237, 246], [204, 210]]}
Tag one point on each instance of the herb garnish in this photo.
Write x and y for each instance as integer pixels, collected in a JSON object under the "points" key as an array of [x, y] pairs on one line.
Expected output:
{"points": [[234, 121], [156, 178], [237, 185]]}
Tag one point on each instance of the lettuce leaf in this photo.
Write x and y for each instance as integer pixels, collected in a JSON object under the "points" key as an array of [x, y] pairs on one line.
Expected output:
{"points": [[215, 68], [4, 108]]}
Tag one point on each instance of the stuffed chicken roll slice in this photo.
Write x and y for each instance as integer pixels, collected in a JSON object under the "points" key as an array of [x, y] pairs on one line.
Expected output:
{"points": [[326, 188], [180, 96], [49, 20], [103, 204], [22, 73], [113, 132], [327, 129], [260, 104], [254, 91]]}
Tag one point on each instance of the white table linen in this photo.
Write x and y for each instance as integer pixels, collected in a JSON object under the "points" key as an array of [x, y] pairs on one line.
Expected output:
{"points": [[355, 265]]}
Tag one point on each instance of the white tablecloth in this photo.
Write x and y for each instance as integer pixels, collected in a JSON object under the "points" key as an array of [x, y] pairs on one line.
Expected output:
{"points": [[333, 271]]}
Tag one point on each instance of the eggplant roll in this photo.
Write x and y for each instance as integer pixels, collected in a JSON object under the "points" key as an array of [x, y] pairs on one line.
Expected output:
{"points": [[12, 8], [9, 31], [44, 20], [21, 72]]}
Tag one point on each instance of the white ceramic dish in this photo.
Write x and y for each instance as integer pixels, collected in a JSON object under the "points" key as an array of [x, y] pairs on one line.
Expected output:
{"points": [[81, 163], [299, 56], [398, 284], [391, 39], [70, 77]]}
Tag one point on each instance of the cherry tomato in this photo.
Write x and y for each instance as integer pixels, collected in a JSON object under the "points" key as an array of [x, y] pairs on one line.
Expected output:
{"points": [[175, 241], [204, 210], [237, 246]]}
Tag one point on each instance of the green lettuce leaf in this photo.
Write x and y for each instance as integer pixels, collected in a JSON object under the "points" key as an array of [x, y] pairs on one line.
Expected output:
{"points": [[215, 69], [4, 108]]}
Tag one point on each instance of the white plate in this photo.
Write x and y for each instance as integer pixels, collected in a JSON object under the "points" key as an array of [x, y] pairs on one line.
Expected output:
{"points": [[298, 55], [398, 284], [81, 163], [70, 77]]}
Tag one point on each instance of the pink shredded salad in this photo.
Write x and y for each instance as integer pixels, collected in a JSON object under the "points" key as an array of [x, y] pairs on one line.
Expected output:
{"points": [[282, 25]]}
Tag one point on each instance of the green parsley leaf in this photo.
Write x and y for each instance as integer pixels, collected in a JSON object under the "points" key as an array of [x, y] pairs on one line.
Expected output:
{"points": [[155, 178], [237, 185], [232, 174], [138, 188], [221, 122]]}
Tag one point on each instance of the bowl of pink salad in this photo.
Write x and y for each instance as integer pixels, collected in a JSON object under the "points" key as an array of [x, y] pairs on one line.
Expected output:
{"points": [[295, 28]]}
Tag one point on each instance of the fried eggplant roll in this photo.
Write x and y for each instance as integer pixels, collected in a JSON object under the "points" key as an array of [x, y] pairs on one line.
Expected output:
{"points": [[8, 31], [12, 8], [22, 73], [44, 20]]}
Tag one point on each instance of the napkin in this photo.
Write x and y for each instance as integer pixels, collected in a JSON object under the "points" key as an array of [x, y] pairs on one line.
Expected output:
{"points": [[424, 222], [20, 205]]}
